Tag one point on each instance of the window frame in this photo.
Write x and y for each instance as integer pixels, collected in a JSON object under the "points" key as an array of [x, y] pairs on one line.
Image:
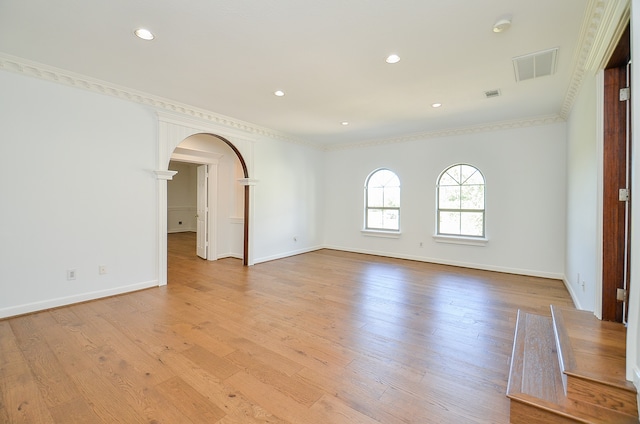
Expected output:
{"points": [[461, 237], [383, 232]]}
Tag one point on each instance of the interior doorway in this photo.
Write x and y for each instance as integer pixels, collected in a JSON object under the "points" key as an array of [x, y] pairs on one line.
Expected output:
{"points": [[616, 183], [206, 197]]}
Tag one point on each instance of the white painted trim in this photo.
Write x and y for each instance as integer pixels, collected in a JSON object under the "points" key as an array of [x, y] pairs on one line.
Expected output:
{"points": [[211, 160], [167, 107], [181, 154], [161, 253], [229, 255], [287, 254], [212, 211], [248, 181], [572, 293], [165, 175], [597, 301], [381, 233], [636, 382], [487, 127], [64, 301], [633, 341], [469, 241], [505, 270], [172, 130], [598, 28]]}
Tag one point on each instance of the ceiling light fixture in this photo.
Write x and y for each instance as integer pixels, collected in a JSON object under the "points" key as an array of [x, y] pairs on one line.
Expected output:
{"points": [[345, 123], [502, 25], [279, 93], [144, 34], [393, 58], [436, 105]]}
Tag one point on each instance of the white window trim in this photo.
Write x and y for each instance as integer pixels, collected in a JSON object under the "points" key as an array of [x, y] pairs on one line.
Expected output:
{"points": [[466, 240], [381, 233], [378, 232], [461, 238]]}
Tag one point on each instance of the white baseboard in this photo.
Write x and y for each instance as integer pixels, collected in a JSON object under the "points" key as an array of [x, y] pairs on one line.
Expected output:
{"points": [[64, 301], [230, 255], [636, 382], [286, 254], [506, 270], [181, 230], [572, 293]]}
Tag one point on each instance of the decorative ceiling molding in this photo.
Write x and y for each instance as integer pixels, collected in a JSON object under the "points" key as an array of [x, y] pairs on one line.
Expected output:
{"points": [[604, 22], [490, 127], [601, 24], [49, 73]]}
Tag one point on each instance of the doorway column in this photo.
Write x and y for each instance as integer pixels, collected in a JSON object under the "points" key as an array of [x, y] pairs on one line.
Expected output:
{"points": [[249, 184], [163, 176]]}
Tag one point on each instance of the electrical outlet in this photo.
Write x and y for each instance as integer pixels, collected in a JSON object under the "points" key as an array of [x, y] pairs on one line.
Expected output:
{"points": [[102, 269], [71, 274]]}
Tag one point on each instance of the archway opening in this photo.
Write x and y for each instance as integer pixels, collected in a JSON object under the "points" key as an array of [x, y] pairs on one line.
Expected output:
{"points": [[212, 167]]}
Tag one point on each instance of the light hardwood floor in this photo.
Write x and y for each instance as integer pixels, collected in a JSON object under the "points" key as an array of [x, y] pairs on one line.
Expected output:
{"points": [[325, 337]]}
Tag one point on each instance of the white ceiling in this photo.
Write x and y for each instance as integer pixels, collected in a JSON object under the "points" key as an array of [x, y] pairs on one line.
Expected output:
{"points": [[229, 56]]}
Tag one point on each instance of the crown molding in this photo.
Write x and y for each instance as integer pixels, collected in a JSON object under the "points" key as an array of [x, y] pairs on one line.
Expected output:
{"points": [[49, 73], [489, 127], [604, 23]]}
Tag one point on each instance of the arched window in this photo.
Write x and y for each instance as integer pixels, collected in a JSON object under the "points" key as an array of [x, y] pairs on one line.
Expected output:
{"points": [[382, 201], [461, 201]]}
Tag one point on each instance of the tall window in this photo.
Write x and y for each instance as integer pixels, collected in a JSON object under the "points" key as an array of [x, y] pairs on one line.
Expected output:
{"points": [[461, 201], [382, 200]]}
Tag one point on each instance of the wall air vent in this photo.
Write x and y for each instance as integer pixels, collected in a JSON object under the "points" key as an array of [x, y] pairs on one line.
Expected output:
{"points": [[492, 93], [535, 65]]}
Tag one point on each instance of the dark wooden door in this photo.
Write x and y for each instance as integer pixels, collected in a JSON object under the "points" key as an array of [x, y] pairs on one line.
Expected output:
{"points": [[616, 166]]}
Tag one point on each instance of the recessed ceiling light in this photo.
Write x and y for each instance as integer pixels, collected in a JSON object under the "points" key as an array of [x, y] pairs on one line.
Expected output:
{"points": [[145, 34], [393, 58], [279, 93], [502, 25], [436, 105], [345, 123]]}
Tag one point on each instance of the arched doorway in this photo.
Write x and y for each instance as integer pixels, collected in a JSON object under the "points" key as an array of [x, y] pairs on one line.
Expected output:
{"points": [[172, 130], [206, 196]]}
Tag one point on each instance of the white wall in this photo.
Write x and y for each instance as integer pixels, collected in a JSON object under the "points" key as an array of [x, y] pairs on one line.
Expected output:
{"points": [[182, 198], [525, 198], [582, 251], [77, 192], [288, 199]]}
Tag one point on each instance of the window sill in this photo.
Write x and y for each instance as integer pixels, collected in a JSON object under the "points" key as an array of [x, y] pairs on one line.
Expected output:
{"points": [[381, 233], [469, 241]]}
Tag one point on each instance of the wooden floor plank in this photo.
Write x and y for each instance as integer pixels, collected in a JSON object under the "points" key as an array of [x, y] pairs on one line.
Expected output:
{"points": [[326, 336]]}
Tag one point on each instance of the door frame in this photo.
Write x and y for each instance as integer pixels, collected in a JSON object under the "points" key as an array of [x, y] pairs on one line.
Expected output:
{"points": [[202, 207], [211, 160], [616, 213], [172, 130]]}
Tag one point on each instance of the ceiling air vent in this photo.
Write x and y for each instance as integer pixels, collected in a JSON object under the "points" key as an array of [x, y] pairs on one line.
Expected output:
{"points": [[535, 65], [492, 93]]}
